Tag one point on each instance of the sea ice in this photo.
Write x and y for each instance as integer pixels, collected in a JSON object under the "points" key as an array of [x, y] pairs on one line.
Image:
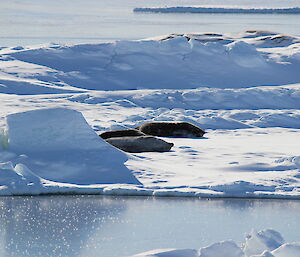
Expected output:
{"points": [[243, 89], [267, 243]]}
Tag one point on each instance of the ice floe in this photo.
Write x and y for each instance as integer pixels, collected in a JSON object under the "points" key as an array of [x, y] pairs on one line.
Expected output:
{"points": [[265, 243], [243, 89]]}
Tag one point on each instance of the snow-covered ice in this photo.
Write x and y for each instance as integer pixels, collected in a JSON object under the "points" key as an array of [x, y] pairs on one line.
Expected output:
{"points": [[265, 243], [243, 89], [204, 60]]}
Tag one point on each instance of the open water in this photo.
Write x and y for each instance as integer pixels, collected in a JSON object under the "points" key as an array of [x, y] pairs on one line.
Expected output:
{"points": [[105, 226], [30, 22]]}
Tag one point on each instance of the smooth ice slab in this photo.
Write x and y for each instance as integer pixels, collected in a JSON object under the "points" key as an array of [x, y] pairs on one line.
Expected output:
{"points": [[58, 144]]}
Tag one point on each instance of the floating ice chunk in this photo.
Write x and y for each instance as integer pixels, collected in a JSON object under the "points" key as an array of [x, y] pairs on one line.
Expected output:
{"points": [[222, 249], [257, 242]]}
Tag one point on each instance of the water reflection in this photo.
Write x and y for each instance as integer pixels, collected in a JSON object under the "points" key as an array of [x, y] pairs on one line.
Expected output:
{"points": [[120, 226]]}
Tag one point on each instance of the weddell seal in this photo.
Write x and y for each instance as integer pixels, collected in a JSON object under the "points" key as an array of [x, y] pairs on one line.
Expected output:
{"points": [[171, 129], [121, 133], [140, 144]]}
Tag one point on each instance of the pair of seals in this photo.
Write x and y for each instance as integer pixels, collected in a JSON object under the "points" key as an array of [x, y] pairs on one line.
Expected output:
{"points": [[171, 129], [135, 141], [138, 140]]}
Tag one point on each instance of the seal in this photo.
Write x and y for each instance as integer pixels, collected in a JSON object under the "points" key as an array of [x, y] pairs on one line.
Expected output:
{"points": [[121, 133], [171, 129], [139, 144]]}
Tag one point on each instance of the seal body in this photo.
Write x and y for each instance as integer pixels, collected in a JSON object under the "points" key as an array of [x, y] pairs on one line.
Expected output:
{"points": [[121, 133], [171, 129], [139, 144]]}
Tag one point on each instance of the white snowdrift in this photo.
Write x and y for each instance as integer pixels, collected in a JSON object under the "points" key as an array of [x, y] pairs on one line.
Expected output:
{"points": [[57, 145], [207, 9], [171, 62], [265, 243]]}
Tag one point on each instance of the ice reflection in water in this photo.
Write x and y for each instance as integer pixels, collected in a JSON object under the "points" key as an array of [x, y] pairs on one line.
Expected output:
{"points": [[119, 226]]}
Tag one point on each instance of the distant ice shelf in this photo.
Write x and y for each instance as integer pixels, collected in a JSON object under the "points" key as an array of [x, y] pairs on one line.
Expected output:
{"points": [[191, 9]]}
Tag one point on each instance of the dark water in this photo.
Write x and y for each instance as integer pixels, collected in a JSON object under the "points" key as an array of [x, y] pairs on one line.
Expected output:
{"points": [[120, 226]]}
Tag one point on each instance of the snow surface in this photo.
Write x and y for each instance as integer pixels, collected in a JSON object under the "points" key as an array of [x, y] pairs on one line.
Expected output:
{"points": [[244, 89], [265, 243], [207, 9]]}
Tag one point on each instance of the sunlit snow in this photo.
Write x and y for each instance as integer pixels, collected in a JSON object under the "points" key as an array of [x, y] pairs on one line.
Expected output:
{"points": [[243, 89]]}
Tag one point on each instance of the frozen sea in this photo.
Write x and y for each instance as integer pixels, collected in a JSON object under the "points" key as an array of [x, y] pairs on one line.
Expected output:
{"points": [[61, 21], [120, 226]]}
